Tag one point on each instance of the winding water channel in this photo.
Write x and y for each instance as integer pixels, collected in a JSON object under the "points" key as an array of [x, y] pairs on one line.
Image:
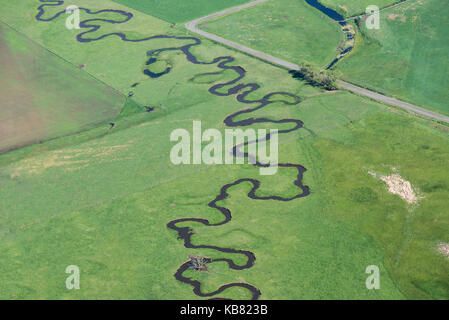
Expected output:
{"points": [[346, 28], [236, 87]]}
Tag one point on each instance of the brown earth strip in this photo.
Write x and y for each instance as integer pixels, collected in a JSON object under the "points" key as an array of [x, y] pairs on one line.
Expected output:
{"points": [[20, 123]]}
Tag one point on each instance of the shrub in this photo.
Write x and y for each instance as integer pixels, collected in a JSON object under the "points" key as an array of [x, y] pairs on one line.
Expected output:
{"points": [[324, 79], [199, 263]]}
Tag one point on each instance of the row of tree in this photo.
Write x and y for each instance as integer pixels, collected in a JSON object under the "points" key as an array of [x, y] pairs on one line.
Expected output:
{"points": [[321, 78]]}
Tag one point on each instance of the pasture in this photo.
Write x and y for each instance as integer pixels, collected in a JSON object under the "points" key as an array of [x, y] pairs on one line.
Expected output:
{"points": [[178, 11], [104, 203], [353, 7], [291, 30], [44, 97], [306, 36], [405, 58]]}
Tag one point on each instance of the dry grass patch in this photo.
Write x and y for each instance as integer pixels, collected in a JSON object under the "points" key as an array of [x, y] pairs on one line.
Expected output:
{"points": [[443, 248], [399, 186]]}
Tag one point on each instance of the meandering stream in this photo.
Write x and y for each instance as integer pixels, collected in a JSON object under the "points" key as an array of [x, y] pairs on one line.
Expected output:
{"points": [[236, 87], [346, 28]]}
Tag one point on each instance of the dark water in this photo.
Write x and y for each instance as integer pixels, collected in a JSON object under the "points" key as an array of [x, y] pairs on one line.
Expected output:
{"points": [[332, 63], [334, 15], [152, 74]]}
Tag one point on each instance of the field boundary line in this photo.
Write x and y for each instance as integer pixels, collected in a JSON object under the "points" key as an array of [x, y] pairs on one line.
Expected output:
{"points": [[193, 27], [380, 10], [141, 12], [392, 101], [64, 59]]}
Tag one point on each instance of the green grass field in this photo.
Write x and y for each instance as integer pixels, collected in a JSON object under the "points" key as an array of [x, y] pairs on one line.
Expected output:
{"points": [[352, 7], [44, 97], [406, 57], [306, 36], [101, 199], [180, 10]]}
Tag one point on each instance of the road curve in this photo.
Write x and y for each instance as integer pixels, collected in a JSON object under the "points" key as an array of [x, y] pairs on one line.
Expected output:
{"points": [[193, 27]]}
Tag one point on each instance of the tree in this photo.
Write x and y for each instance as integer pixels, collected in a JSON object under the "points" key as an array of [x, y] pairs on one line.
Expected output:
{"points": [[199, 263], [322, 78]]}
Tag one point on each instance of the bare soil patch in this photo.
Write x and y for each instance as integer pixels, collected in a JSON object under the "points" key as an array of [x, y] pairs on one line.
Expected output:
{"points": [[399, 186], [443, 248], [44, 97]]}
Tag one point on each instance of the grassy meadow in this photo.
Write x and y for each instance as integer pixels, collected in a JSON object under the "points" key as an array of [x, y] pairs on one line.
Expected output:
{"points": [[306, 35], [178, 11], [406, 58], [101, 199], [44, 97], [353, 7]]}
